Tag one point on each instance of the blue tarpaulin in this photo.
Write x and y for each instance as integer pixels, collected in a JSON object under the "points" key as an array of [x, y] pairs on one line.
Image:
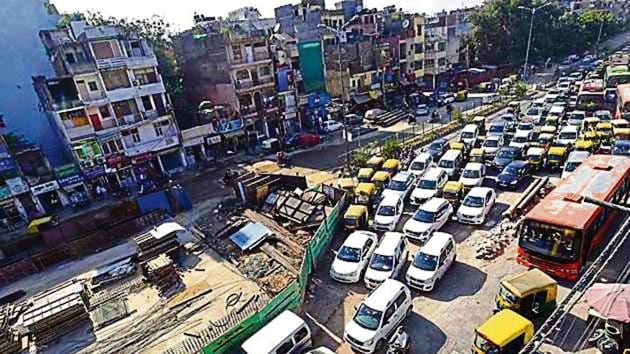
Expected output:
{"points": [[250, 236], [153, 201]]}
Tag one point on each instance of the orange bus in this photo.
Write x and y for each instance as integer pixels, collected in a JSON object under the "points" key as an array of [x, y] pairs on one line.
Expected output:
{"points": [[623, 101], [592, 96], [559, 234]]}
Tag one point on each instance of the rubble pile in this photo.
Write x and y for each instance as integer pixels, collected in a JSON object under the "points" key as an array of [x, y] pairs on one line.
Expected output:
{"points": [[496, 240]]}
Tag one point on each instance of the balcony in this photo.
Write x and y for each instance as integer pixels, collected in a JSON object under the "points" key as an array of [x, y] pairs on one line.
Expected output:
{"points": [[243, 86], [255, 60], [80, 132], [169, 139], [154, 114], [94, 96], [67, 104], [136, 62], [111, 63], [80, 68], [136, 91]]}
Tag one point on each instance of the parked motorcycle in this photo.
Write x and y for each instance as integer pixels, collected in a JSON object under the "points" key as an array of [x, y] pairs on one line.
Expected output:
{"points": [[399, 342]]}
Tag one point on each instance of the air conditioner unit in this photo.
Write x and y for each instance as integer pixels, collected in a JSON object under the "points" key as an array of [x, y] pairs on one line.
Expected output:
{"points": [[136, 83], [87, 164], [99, 160], [169, 141]]}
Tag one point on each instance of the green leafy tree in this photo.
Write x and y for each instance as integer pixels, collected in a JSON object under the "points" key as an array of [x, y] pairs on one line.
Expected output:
{"points": [[390, 149]]}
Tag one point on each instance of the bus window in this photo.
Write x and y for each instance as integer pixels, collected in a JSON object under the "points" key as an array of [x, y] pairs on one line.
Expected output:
{"points": [[561, 243]]}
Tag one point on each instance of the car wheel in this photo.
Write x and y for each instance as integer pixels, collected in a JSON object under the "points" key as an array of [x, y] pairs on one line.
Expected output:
{"points": [[380, 346]]}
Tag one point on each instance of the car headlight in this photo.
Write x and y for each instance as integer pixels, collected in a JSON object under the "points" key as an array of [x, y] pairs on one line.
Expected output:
{"points": [[369, 342], [514, 181]]}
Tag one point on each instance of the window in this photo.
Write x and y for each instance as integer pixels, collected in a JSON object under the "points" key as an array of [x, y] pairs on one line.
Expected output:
{"points": [[441, 46], [103, 50], [300, 335], [115, 79], [236, 53], [145, 76], [442, 61], [92, 85], [429, 62], [104, 110], [70, 58], [158, 129], [242, 75], [74, 119], [147, 103], [419, 48], [285, 347], [136, 48], [400, 299], [419, 65], [264, 71], [135, 135], [124, 108], [389, 313], [112, 146], [418, 30]]}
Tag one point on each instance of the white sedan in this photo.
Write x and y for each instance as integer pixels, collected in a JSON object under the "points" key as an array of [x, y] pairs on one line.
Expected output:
{"points": [[430, 217], [352, 258], [331, 126], [476, 206]]}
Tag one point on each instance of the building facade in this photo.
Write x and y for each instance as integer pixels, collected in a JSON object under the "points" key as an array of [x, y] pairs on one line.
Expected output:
{"points": [[435, 53], [108, 104]]}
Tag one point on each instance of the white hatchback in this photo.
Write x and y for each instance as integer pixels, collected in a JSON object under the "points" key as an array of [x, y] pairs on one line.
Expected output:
{"points": [[431, 262], [353, 256], [473, 175], [476, 206], [387, 260]]}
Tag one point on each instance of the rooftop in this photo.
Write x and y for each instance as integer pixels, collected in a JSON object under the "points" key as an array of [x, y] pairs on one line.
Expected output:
{"points": [[435, 244], [380, 297]]}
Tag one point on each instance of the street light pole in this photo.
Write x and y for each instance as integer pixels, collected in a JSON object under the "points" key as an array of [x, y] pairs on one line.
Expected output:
{"points": [[532, 10], [599, 36]]}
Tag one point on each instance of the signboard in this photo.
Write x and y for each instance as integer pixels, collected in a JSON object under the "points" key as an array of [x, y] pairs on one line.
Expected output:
{"points": [[143, 157], [66, 170], [193, 141], [17, 185], [45, 188], [5, 192], [71, 180], [7, 164], [94, 172], [312, 66], [213, 139]]}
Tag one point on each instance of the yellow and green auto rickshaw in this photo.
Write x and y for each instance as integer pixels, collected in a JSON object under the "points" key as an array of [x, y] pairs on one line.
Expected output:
{"points": [[365, 174], [453, 191], [476, 155], [585, 145], [392, 166], [604, 130], [356, 217], [461, 95], [621, 129], [42, 224], [536, 157], [381, 179], [589, 123], [548, 129], [552, 120], [375, 162], [531, 293], [461, 146], [556, 157], [364, 193], [347, 184], [504, 332]]}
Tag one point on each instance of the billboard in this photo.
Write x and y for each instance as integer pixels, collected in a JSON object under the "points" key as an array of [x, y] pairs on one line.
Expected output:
{"points": [[312, 66]]}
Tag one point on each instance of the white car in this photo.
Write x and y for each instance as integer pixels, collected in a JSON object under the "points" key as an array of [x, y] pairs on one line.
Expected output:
{"points": [[400, 186], [473, 175], [564, 86], [388, 213], [476, 206], [430, 217], [576, 118], [534, 114], [568, 135], [387, 260], [491, 145], [331, 126], [521, 140], [524, 127], [470, 134], [574, 160], [603, 115], [420, 164], [353, 256], [422, 110], [429, 185], [431, 262], [378, 316], [372, 114]]}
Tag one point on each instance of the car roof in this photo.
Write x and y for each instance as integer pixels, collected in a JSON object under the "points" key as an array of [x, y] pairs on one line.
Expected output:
{"points": [[423, 156], [518, 164], [578, 156], [509, 148], [440, 140], [357, 239], [493, 137], [535, 150], [435, 244], [479, 191], [499, 122], [265, 340], [451, 154], [380, 297], [433, 173], [390, 199], [473, 166], [389, 242], [433, 204], [569, 128], [470, 127], [521, 133], [402, 176]]}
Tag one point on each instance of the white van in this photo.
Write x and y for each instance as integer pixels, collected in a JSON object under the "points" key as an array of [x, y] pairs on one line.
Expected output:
{"points": [[421, 164], [388, 213], [429, 186], [387, 260], [469, 134], [431, 262], [378, 316], [452, 162], [285, 334]]}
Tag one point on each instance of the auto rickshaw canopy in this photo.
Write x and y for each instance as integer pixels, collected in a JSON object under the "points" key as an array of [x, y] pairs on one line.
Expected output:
{"points": [[476, 155], [365, 189], [548, 129], [356, 211], [535, 152], [375, 162], [391, 164], [584, 145], [589, 134], [381, 177], [35, 224], [347, 183], [557, 151], [365, 173], [529, 282], [457, 145], [604, 128], [453, 187], [504, 327]]}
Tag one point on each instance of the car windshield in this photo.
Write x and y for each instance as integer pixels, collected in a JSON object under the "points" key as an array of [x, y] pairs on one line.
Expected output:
{"points": [[520, 139], [496, 128], [445, 164], [485, 345], [386, 210], [368, 318], [424, 216], [467, 135], [505, 154], [349, 254], [427, 184], [603, 116], [397, 185], [491, 143], [571, 166], [533, 112], [417, 166], [425, 261], [511, 170], [568, 135], [525, 126], [550, 240], [473, 202], [621, 149], [381, 262], [577, 116], [435, 146], [471, 174]]}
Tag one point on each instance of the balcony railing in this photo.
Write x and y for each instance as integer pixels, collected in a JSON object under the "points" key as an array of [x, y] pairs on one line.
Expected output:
{"points": [[111, 63], [94, 96], [80, 67], [62, 105], [154, 113], [266, 80], [131, 118], [80, 131]]}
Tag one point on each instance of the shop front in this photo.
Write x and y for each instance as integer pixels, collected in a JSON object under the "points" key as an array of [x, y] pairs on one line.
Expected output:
{"points": [[74, 188], [49, 196], [23, 198], [96, 182], [214, 148], [193, 140], [171, 160], [119, 172], [10, 215]]}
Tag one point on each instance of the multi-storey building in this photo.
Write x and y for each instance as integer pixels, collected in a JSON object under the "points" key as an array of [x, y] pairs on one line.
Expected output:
{"points": [[435, 42], [458, 26], [418, 57], [108, 103]]}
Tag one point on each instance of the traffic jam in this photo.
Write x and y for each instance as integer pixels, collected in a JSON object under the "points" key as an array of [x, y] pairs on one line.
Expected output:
{"points": [[406, 219]]}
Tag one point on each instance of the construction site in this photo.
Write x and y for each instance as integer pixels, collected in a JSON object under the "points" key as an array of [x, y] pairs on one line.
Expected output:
{"points": [[172, 289]]}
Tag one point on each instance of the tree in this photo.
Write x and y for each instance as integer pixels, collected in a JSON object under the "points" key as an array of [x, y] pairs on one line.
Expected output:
{"points": [[391, 148]]}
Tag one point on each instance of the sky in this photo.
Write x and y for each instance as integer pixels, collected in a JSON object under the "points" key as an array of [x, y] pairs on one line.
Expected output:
{"points": [[180, 12]]}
